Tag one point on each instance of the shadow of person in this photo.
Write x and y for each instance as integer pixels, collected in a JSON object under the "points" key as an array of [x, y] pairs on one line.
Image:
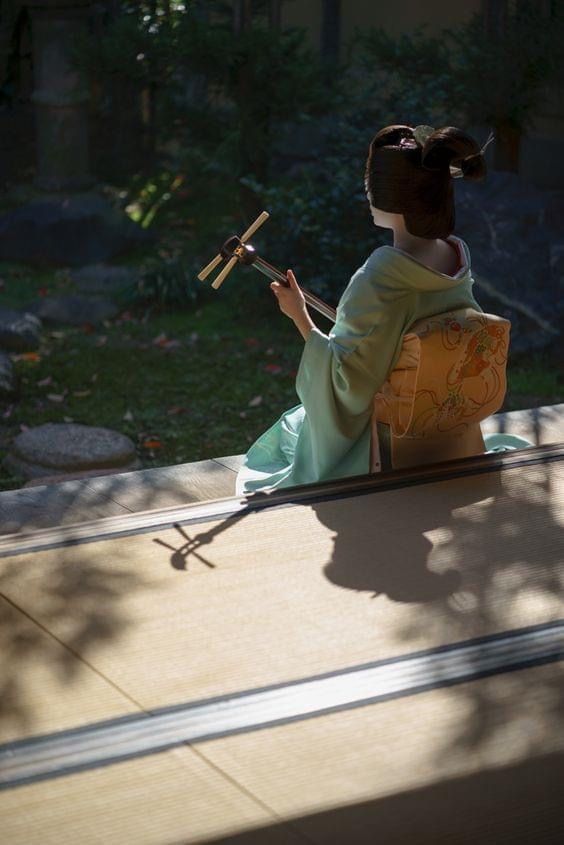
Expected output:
{"points": [[381, 544]]}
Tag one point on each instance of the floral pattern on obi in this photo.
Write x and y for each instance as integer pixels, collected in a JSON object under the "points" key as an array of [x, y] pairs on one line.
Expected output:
{"points": [[450, 374]]}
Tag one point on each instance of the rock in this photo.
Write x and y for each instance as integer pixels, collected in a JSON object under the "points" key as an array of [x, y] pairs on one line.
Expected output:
{"points": [[68, 231], [61, 448], [557, 264], [103, 278], [505, 223], [8, 385], [73, 310], [19, 330], [554, 211]]}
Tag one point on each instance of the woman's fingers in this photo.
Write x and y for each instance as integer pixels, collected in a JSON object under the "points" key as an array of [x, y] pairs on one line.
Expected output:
{"points": [[291, 278]]}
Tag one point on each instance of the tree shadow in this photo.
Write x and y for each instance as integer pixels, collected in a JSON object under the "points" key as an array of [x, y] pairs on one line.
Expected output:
{"points": [[97, 497], [474, 556], [77, 607]]}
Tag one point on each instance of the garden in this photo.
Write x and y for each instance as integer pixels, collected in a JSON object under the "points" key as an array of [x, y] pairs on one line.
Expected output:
{"points": [[193, 132]]}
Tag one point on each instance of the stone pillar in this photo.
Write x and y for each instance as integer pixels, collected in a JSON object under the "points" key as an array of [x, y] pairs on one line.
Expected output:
{"points": [[60, 96]]}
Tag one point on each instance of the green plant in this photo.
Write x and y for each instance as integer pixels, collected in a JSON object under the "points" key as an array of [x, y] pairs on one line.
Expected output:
{"points": [[321, 224], [405, 78], [167, 282], [501, 76]]}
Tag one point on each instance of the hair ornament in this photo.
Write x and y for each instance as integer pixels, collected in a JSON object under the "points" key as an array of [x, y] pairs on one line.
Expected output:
{"points": [[422, 132], [458, 172]]}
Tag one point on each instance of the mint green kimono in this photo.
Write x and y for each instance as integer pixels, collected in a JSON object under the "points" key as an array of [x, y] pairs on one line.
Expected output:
{"points": [[328, 435]]}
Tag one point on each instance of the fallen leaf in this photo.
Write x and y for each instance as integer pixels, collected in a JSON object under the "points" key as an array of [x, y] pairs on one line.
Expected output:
{"points": [[56, 397], [269, 351], [28, 356], [81, 393], [68, 419], [152, 444], [44, 382], [94, 377], [8, 412], [24, 427], [88, 328], [255, 401], [275, 369], [128, 416], [243, 414], [176, 409], [56, 334], [160, 340], [102, 340]]}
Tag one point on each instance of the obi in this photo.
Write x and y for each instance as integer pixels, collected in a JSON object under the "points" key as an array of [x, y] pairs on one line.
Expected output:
{"points": [[450, 375]]}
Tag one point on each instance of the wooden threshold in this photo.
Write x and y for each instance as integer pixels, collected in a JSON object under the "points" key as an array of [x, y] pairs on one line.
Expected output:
{"points": [[219, 509]]}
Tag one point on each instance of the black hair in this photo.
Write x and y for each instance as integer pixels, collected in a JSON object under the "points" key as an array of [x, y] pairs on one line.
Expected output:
{"points": [[404, 177]]}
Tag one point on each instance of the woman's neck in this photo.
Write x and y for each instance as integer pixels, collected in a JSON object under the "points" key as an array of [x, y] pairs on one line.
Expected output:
{"points": [[414, 245]]}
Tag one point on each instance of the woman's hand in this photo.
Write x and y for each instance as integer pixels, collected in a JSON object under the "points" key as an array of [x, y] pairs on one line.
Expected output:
{"points": [[290, 299], [292, 303]]}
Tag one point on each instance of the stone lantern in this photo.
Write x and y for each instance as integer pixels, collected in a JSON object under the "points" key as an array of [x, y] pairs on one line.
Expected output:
{"points": [[67, 221], [60, 95]]}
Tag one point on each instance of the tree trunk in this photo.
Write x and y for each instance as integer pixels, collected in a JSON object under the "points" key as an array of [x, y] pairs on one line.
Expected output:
{"points": [[274, 14], [495, 18], [150, 112], [242, 15], [251, 146], [330, 30], [507, 147], [508, 137]]}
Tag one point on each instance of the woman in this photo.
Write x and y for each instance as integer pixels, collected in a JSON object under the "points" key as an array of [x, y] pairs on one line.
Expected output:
{"points": [[427, 271]]}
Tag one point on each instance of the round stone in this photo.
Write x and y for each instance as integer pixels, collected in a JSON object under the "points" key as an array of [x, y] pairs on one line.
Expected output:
{"points": [[65, 447], [19, 330]]}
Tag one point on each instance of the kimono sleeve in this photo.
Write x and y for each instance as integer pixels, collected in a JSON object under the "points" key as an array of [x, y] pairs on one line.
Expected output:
{"points": [[339, 373]]}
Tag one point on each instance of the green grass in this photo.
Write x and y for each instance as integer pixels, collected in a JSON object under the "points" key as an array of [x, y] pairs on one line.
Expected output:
{"points": [[195, 399]]}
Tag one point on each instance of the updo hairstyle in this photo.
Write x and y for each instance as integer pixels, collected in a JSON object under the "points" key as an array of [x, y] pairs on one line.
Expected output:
{"points": [[404, 177]]}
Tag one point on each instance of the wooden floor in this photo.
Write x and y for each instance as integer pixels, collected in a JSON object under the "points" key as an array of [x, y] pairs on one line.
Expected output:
{"points": [[73, 501], [110, 629]]}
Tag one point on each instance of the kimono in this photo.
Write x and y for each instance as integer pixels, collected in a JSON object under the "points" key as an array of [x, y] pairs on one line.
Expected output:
{"points": [[327, 435]]}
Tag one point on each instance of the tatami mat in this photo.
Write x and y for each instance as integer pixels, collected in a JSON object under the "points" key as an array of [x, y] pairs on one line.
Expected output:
{"points": [[285, 593], [44, 687], [412, 752], [96, 630], [173, 797]]}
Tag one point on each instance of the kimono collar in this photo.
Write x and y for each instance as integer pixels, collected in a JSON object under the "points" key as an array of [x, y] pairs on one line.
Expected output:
{"points": [[417, 275]]}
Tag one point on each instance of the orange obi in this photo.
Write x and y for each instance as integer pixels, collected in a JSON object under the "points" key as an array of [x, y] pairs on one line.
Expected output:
{"points": [[450, 375]]}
